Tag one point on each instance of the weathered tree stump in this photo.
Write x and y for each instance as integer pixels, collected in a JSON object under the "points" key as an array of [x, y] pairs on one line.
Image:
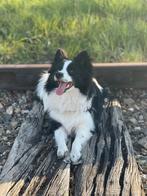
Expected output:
{"points": [[109, 166]]}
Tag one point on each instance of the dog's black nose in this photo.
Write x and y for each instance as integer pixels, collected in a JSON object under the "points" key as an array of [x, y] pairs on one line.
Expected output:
{"points": [[59, 75]]}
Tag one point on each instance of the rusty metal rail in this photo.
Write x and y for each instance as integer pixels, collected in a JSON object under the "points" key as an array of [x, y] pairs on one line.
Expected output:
{"points": [[122, 75]]}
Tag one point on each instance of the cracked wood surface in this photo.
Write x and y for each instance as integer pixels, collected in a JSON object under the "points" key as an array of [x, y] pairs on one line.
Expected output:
{"points": [[108, 168]]}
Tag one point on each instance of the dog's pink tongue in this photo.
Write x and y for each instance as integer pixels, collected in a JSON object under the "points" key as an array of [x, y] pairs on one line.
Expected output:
{"points": [[61, 88]]}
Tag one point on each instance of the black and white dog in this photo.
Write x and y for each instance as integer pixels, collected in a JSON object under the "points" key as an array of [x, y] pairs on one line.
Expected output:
{"points": [[73, 99]]}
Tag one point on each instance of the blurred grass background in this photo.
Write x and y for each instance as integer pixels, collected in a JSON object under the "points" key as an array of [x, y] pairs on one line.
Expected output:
{"points": [[111, 30]]}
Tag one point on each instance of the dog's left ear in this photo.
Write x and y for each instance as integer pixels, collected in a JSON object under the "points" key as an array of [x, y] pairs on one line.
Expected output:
{"points": [[83, 58]]}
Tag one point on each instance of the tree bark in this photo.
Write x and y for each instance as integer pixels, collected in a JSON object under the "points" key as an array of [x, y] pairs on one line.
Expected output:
{"points": [[108, 168]]}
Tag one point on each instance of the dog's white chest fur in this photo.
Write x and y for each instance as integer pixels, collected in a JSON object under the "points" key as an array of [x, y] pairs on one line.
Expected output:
{"points": [[70, 109], [71, 101]]}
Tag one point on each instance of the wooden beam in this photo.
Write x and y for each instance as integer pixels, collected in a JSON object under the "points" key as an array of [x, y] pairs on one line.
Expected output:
{"points": [[109, 167], [121, 75]]}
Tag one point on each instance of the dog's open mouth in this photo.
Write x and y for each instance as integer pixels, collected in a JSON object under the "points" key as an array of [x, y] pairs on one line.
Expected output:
{"points": [[63, 87]]}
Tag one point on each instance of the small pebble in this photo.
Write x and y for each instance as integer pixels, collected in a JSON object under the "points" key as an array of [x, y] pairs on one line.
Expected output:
{"points": [[136, 107], [137, 128], [24, 111], [14, 104], [133, 120], [8, 132], [141, 117], [17, 110], [5, 138], [144, 102], [9, 110], [14, 124], [24, 98], [128, 101], [9, 143], [131, 109]]}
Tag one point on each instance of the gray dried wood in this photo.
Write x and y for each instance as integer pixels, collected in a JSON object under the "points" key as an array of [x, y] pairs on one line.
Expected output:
{"points": [[109, 167]]}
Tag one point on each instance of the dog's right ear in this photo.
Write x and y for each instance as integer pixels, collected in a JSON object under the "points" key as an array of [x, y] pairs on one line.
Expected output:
{"points": [[59, 56]]}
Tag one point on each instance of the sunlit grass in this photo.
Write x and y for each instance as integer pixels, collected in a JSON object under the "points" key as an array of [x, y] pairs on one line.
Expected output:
{"points": [[111, 30]]}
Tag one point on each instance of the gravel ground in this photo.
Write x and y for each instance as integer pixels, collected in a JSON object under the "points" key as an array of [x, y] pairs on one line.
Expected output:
{"points": [[134, 106], [15, 105]]}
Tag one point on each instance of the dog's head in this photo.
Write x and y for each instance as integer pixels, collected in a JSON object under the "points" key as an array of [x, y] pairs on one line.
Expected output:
{"points": [[71, 73]]}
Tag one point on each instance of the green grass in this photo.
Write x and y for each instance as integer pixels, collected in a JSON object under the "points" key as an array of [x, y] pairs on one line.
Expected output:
{"points": [[111, 30]]}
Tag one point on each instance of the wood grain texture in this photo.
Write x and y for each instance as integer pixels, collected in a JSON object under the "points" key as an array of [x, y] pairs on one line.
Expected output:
{"points": [[109, 166], [121, 75]]}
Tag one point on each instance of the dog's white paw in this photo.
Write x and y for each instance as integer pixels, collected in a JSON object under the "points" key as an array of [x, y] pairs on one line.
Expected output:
{"points": [[62, 152], [75, 156]]}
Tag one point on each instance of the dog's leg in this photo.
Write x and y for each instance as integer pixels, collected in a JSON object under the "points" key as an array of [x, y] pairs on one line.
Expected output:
{"points": [[82, 136], [61, 138]]}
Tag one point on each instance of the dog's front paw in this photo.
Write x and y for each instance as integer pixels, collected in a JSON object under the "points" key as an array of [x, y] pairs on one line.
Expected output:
{"points": [[62, 152], [75, 156]]}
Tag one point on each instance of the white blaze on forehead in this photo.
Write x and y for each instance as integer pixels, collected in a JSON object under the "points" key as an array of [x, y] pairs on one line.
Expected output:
{"points": [[66, 63], [66, 76]]}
